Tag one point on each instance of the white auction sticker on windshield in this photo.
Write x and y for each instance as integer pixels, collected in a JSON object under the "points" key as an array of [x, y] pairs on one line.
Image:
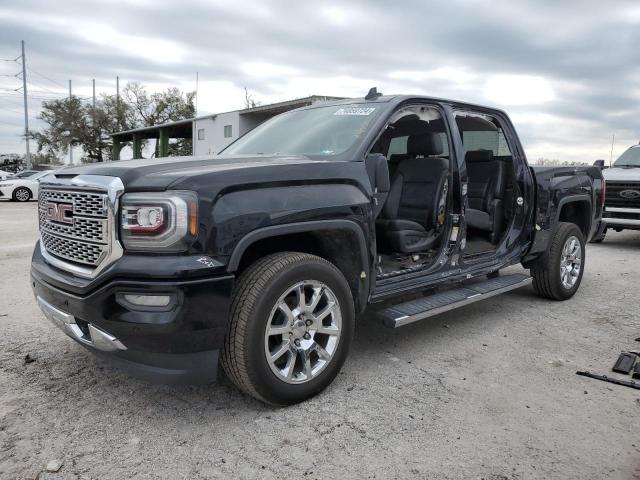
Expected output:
{"points": [[355, 111]]}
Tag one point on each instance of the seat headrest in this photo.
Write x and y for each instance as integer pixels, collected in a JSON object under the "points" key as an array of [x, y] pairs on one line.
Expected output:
{"points": [[424, 144], [478, 156]]}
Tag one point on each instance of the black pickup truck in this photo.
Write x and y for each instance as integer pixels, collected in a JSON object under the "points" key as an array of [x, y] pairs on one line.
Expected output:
{"points": [[262, 257]]}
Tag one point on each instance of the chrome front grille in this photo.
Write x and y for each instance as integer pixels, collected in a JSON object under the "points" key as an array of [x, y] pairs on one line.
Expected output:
{"points": [[86, 239], [75, 251], [77, 223], [91, 229], [89, 204]]}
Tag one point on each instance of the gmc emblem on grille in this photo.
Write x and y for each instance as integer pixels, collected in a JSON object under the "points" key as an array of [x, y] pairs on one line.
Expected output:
{"points": [[60, 212], [630, 194]]}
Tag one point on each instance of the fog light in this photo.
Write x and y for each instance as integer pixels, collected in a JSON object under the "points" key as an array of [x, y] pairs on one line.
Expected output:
{"points": [[148, 300]]}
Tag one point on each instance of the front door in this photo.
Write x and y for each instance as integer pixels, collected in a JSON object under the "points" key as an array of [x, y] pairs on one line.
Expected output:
{"points": [[413, 226]]}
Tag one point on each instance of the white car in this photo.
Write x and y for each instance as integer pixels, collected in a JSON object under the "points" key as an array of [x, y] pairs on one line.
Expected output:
{"points": [[23, 186], [4, 175]]}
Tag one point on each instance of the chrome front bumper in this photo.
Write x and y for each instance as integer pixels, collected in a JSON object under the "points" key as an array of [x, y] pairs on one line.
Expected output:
{"points": [[91, 336], [628, 216]]}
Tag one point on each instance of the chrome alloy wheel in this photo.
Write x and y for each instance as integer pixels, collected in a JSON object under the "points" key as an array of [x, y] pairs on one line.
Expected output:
{"points": [[303, 332], [22, 194], [570, 262]]}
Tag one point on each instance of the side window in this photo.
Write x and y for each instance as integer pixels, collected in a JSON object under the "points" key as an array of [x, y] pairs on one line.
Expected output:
{"points": [[487, 140], [228, 132], [401, 139], [482, 132], [397, 145]]}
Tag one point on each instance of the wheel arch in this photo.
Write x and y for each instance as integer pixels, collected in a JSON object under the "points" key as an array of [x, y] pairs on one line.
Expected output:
{"points": [[342, 242], [13, 194], [576, 209]]}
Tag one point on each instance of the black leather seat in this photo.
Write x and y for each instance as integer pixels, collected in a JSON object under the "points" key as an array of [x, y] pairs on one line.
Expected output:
{"points": [[410, 214], [485, 192]]}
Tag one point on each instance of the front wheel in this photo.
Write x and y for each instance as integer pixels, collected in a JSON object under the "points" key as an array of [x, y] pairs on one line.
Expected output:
{"points": [[558, 276], [292, 321], [22, 194]]}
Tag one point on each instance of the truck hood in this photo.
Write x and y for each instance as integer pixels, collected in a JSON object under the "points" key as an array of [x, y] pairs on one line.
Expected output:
{"points": [[160, 173], [621, 174]]}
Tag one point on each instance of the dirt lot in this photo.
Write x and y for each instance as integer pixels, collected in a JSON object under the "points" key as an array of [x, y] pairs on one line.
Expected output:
{"points": [[488, 391]]}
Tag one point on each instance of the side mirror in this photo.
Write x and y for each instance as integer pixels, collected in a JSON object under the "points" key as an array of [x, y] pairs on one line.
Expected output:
{"points": [[600, 164]]}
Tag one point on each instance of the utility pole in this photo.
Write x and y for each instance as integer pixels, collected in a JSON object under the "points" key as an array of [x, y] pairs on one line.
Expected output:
{"points": [[26, 108], [70, 138], [613, 139], [118, 102], [94, 100], [196, 94]]}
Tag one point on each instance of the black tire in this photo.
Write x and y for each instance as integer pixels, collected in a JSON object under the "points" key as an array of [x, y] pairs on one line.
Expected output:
{"points": [[22, 194], [600, 234], [546, 273], [256, 292]]}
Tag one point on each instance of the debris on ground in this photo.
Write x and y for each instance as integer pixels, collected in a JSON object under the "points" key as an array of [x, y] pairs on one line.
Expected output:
{"points": [[54, 465], [604, 378], [557, 362], [625, 362], [29, 359]]}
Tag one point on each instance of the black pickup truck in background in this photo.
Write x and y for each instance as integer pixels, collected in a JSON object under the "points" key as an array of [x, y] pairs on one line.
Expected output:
{"points": [[262, 257]]}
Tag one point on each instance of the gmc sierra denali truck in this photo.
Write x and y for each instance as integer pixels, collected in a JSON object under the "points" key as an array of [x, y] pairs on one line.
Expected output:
{"points": [[262, 257], [622, 204]]}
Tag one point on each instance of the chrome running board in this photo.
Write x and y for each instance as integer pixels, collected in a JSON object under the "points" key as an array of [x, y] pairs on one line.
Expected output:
{"points": [[412, 311]]}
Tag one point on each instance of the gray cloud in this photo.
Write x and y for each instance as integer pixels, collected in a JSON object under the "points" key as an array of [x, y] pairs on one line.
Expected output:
{"points": [[586, 51]]}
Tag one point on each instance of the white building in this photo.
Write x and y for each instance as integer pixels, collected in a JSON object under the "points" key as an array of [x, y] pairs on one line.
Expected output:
{"points": [[209, 133]]}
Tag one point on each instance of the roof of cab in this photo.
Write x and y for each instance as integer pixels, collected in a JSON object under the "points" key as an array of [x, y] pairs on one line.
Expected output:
{"points": [[397, 99]]}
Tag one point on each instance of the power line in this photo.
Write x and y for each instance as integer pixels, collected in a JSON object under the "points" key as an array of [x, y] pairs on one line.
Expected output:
{"points": [[12, 124], [10, 110], [10, 99], [42, 87], [45, 77]]}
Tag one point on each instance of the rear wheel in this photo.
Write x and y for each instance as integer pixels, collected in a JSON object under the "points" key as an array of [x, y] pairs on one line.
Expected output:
{"points": [[558, 276], [22, 194], [292, 320]]}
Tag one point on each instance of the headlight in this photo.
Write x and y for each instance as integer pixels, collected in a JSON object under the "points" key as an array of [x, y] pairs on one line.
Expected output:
{"points": [[159, 220], [6, 184]]}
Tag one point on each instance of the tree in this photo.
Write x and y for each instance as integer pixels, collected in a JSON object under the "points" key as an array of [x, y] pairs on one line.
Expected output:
{"points": [[157, 108], [44, 160], [69, 121], [72, 121], [249, 99]]}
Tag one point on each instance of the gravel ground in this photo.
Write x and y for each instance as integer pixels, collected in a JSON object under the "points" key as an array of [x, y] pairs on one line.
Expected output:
{"points": [[488, 391]]}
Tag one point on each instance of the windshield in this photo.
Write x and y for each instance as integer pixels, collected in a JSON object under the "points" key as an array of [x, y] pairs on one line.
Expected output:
{"points": [[630, 158], [25, 174], [316, 132], [41, 174]]}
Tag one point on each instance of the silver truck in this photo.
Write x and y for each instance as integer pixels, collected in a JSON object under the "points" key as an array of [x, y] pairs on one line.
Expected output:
{"points": [[622, 201]]}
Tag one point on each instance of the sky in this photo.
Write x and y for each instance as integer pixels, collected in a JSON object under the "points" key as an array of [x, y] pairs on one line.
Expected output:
{"points": [[568, 73]]}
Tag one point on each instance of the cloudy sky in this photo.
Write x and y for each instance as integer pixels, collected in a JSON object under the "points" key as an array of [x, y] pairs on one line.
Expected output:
{"points": [[567, 72]]}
